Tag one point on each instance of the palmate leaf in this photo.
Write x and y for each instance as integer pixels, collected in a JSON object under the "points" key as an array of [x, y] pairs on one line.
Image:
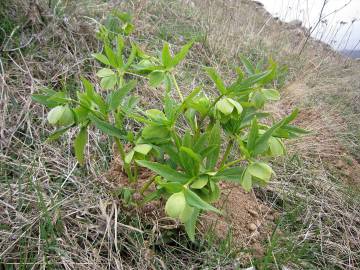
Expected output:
{"points": [[165, 171], [106, 127]]}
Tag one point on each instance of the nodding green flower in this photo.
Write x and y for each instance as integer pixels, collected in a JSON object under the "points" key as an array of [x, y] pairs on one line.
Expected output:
{"points": [[60, 115], [227, 108], [175, 205]]}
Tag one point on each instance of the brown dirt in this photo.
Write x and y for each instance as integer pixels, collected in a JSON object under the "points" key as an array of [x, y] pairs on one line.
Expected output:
{"points": [[248, 220]]}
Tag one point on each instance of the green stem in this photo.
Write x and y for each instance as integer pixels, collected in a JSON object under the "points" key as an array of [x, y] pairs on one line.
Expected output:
{"points": [[177, 87], [122, 156], [227, 165], [227, 152], [147, 185]]}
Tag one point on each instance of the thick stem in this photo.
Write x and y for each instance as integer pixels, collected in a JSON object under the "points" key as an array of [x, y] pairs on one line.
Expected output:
{"points": [[227, 152], [122, 156]]}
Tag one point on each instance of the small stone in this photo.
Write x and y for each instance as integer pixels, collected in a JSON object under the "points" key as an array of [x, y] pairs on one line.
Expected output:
{"points": [[252, 227], [258, 223], [256, 234], [270, 217], [253, 213], [137, 196]]}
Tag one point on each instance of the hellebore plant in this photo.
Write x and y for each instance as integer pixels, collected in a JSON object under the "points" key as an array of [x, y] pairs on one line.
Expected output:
{"points": [[181, 142]]}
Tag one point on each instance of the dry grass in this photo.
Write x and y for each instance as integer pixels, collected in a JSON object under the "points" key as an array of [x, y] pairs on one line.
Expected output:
{"points": [[321, 165], [54, 214]]}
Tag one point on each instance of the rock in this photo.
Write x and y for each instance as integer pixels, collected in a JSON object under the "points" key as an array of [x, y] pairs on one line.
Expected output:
{"points": [[253, 213], [252, 227], [270, 217]]}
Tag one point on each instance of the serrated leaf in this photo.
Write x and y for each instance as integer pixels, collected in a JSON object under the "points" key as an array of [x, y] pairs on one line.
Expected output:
{"points": [[190, 224], [165, 171], [117, 96], [248, 65], [131, 57], [166, 56], [105, 72], [156, 77], [236, 88], [172, 187], [93, 96], [216, 79], [271, 94], [156, 115], [276, 147], [253, 134], [246, 181], [80, 143], [200, 182], [260, 170], [106, 127], [155, 132], [101, 58], [262, 142], [191, 153], [111, 56], [214, 139], [181, 54], [108, 82], [58, 133], [143, 148], [129, 157], [194, 200], [230, 174]]}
